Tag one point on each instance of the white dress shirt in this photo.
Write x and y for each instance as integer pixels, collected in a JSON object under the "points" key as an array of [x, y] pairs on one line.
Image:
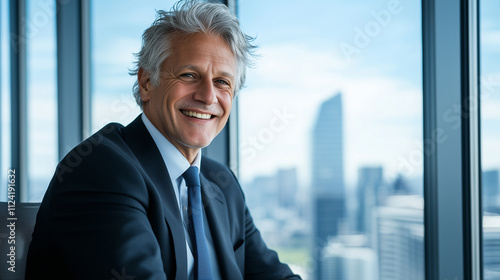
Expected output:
{"points": [[176, 165]]}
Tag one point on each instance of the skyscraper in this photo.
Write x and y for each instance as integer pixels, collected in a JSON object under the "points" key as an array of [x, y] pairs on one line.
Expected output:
{"points": [[347, 258], [328, 149], [400, 238], [369, 184], [491, 191], [491, 247], [327, 175], [287, 186]]}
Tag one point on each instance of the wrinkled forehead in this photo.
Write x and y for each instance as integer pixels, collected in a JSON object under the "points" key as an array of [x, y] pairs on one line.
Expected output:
{"points": [[196, 49]]}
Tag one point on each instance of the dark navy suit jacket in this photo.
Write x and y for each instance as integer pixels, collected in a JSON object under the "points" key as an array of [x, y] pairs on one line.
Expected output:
{"points": [[110, 212]]}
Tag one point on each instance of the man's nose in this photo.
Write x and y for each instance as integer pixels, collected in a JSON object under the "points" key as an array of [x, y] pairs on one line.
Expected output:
{"points": [[206, 92]]}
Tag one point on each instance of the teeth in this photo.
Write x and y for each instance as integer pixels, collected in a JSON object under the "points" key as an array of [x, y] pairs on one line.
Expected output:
{"points": [[196, 115]]}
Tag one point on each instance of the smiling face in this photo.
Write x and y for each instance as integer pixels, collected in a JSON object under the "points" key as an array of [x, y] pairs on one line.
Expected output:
{"points": [[192, 102]]}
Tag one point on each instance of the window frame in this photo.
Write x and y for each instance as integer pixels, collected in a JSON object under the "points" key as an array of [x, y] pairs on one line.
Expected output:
{"points": [[18, 95], [451, 165]]}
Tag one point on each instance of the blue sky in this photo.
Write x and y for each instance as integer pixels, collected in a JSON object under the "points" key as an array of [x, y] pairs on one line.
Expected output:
{"points": [[490, 87], [301, 64]]}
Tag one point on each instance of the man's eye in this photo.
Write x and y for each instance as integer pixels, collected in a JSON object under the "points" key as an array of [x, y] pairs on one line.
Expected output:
{"points": [[187, 75], [222, 82]]}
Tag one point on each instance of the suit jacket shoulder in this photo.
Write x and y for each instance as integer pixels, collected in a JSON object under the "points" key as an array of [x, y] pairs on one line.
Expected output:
{"points": [[102, 216], [110, 210]]}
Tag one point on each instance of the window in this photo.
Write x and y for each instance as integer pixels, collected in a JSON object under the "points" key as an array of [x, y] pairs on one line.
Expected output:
{"points": [[330, 135], [38, 107], [115, 37], [490, 135], [41, 96], [4, 96]]}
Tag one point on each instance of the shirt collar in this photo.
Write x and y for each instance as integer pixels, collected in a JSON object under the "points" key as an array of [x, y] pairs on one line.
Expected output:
{"points": [[175, 161]]}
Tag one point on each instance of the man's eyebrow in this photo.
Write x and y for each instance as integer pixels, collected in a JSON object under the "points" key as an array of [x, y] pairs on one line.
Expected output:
{"points": [[196, 68], [189, 66]]}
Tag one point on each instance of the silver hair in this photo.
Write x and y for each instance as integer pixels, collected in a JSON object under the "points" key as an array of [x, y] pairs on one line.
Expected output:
{"points": [[190, 17]]}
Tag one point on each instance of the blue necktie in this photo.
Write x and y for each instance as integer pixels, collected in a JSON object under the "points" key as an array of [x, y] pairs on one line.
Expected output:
{"points": [[202, 268]]}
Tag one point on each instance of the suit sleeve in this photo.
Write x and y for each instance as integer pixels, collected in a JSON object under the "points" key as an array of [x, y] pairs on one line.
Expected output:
{"points": [[96, 219]]}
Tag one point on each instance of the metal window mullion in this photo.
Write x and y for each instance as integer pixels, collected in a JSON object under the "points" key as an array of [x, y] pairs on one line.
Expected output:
{"points": [[70, 75], [233, 152], [1, 93], [430, 163], [443, 156], [18, 41], [224, 148], [86, 66], [470, 99]]}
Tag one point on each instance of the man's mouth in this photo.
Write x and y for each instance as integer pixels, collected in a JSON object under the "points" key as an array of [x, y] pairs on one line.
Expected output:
{"points": [[196, 115]]}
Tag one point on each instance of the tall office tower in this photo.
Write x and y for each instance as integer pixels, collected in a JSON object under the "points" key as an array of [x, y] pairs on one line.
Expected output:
{"points": [[491, 247], [327, 176], [400, 238], [491, 191], [367, 193], [327, 149], [347, 258], [287, 186]]}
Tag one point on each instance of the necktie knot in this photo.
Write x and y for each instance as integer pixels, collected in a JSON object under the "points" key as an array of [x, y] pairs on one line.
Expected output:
{"points": [[192, 176]]}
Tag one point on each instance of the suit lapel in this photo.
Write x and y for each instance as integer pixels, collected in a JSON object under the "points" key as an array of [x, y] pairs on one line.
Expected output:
{"points": [[142, 144], [218, 220]]}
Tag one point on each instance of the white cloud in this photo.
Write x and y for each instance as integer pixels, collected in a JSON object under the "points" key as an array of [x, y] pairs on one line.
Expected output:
{"points": [[118, 108], [116, 52], [491, 39], [291, 65], [490, 110], [382, 115], [490, 152]]}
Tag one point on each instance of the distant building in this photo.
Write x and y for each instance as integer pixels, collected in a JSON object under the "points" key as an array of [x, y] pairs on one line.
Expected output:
{"points": [[370, 181], [400, 187], [287, 187], [491, 247], [491, 191], [328, 149], [400, 238], [328, 191], [262, 195], [347, 258], [272, 201], [327, 210]]}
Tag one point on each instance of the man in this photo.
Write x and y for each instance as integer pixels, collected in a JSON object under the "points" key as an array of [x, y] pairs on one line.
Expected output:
{"points": [[126, 203]]}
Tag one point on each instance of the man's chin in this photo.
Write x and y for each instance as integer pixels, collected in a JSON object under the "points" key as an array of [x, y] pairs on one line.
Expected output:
{"points": [[199, 144]]}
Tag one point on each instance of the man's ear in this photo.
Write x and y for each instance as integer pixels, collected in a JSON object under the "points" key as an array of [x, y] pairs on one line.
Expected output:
{"points": [[144, 80]]}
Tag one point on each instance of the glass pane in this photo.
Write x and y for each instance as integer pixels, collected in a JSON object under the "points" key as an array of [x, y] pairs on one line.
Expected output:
{"points": [[332, 160], [115, 37], [4, 97], [41, 96], [490, 135]]}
